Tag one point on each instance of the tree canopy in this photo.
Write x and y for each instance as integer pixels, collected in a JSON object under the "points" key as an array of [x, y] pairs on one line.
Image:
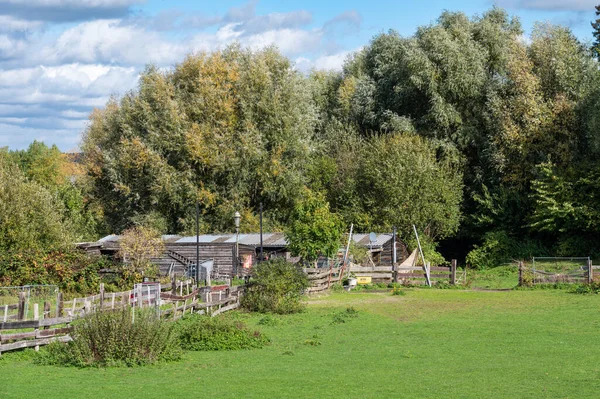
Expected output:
{"points": [[487, 141]]}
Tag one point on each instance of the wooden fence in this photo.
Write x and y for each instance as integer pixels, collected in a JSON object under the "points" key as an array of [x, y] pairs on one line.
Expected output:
{"points": [[54, 325], [322, 279]]}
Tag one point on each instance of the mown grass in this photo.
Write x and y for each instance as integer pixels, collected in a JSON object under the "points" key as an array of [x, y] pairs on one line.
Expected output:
{"points": [[428, 343]]}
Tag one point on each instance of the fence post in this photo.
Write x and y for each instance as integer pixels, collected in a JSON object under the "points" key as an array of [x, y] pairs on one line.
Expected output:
{"points": [[157, 301], [520, 273], [5, 313], [590, 272], [46, 310], [453, 270], [59, 305], [21, 309], [36, 316], [101, 296]]}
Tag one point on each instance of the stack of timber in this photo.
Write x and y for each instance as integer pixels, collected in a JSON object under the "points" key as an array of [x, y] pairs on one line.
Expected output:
{"points": [[321, 279]]}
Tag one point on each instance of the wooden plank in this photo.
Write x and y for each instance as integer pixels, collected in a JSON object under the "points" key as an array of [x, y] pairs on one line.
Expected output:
{"points": [[55, 321], [411, 275], [12, 337], [15, 325], [34, 334], [225, 309], [357, 269], [318, 276], [34, 342]]}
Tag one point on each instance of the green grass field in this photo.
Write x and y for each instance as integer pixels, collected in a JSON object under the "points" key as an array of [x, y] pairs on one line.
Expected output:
{"points": [[428, 343]]}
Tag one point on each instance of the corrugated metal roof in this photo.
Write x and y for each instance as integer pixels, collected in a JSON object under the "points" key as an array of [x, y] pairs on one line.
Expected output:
{"points": [[363, 239], [112, 237], [253, 239]]}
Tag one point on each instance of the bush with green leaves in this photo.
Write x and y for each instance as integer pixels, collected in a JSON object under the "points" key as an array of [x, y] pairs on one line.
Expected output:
{"points": [[70, 269], [114, 338], [277, 287], [205, 333]]}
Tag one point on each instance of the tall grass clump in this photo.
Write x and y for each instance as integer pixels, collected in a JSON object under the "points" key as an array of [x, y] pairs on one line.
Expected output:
{"points": [[112, 338], [277, 287], [205, 333]]}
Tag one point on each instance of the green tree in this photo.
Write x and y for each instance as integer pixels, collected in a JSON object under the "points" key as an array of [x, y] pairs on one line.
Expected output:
{"points": [[596, 34], [31, 217], [231, 129], [313, 230], [403, 182]]}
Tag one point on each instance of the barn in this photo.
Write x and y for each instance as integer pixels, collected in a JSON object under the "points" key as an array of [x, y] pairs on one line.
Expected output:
{"points": [[180, 252]]}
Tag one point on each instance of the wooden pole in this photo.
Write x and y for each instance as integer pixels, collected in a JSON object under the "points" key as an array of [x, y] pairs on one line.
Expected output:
{"points": [[46, 310], [21, 309], [453, 278], [5, 313], [520, 273], [59, 305], [590, 272], [36, 316], [394, 257], [346, 253], [101, 296], [425, 266]]}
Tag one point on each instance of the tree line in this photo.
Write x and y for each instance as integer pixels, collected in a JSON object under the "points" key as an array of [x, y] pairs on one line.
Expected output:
{"points": [[486, 140]]}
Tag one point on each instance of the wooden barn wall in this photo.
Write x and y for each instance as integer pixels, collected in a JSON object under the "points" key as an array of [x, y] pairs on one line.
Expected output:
{"points": [[385, 258], [223, 255]]}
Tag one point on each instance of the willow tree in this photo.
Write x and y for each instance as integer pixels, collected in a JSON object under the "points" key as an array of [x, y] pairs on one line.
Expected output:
{"points": [[230, 129]]}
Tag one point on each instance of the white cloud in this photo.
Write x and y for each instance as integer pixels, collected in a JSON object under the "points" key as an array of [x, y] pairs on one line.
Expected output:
{"points": [[52, 74], [330, 62], [289, 41], [107, 41]]}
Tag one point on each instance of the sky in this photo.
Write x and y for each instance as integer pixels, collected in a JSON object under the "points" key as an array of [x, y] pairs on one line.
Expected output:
{"points": [[59, 59]]}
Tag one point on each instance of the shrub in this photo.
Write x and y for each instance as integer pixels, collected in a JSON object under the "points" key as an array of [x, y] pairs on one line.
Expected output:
{"points": [[398, 291], [111, 338], [593, 288], [70, 269], [276, 287], [205, 333]]}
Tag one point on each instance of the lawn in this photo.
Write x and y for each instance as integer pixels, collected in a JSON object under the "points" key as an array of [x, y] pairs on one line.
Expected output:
{"points": [[428, 343]]}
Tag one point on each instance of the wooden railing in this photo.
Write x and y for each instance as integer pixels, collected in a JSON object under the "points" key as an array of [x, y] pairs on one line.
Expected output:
{"points": [[44, 330], [322, 279]]}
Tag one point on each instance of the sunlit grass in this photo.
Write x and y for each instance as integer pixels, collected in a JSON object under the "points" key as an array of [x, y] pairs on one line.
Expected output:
{"points": [[428, 343]]}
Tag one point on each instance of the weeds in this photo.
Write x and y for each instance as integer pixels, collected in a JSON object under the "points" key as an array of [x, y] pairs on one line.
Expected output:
{"points": [[204, 333]]}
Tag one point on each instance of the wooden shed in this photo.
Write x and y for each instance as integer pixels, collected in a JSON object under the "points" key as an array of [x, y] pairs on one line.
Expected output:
{"points": [[180, 252]]}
